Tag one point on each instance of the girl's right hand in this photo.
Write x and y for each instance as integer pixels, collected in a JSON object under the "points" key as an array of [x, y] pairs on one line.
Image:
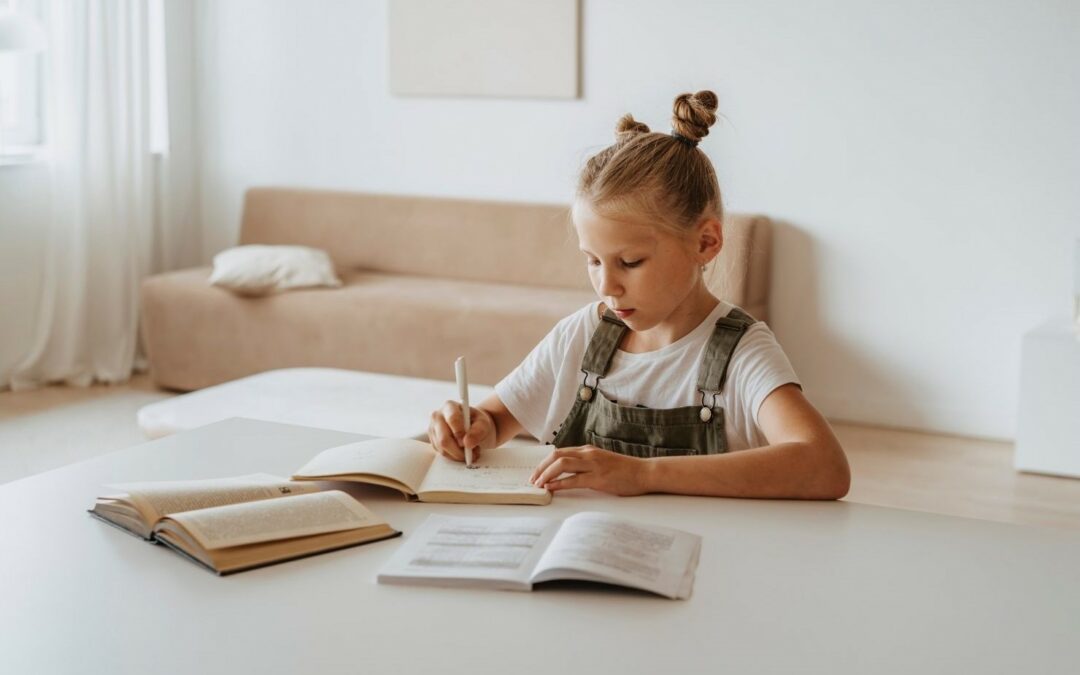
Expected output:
{"points": [[446, 432]]}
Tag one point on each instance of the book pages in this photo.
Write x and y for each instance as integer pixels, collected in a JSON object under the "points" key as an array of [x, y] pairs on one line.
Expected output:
{"points": [[500, 470], [161, 498], [251, 522], [400, 459], [471, 551], [597, 547]]}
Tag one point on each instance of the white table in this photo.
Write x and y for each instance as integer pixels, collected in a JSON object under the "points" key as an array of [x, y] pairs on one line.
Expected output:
{"points": [[1048, 426], [782, 587]]}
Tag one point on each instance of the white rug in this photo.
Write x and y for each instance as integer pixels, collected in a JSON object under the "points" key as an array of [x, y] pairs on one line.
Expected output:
{"points": [[59, 436]]}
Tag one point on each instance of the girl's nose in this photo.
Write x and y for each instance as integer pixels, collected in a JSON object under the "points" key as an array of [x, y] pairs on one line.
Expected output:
{"points": [[608, 285]]}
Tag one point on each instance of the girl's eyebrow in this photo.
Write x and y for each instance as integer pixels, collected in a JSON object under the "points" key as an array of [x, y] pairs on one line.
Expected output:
{"points": [[619, 252]]}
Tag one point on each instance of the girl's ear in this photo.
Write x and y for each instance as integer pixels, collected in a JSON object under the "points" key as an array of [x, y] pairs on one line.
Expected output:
{"points": [[710, 239]]}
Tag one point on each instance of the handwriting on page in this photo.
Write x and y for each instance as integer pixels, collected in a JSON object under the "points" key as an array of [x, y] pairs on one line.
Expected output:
{"points": [[501, 470], [502, 478], [479, 546]]}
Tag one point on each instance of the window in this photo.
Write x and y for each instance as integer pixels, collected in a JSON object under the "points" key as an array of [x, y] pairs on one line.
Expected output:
{"points": [[21, 124], [23, 72]]}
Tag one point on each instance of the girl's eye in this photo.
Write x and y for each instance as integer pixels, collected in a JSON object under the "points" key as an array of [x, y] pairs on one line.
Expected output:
{"points": [[629, 264]]}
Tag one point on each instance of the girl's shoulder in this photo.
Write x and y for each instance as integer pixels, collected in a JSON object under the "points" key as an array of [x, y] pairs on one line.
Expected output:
{"points": [[759, 354], [587, 318], [569, 336]]}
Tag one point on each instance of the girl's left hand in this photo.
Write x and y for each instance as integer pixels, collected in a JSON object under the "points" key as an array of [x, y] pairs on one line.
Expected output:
{"points": [[593, 468]]}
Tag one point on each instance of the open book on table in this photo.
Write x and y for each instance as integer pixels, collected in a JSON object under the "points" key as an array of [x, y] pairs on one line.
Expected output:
{"points": [[499, 476], [516, 553], [234, 524]]}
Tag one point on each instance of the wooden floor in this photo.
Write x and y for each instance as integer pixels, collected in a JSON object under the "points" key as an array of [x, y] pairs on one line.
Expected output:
{"points": [[953, 475], [14, 405], [927, 472]]}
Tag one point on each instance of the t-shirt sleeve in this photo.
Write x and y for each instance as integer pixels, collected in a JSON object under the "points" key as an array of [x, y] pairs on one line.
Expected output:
{"points": [[758, 367], [528, 389]]}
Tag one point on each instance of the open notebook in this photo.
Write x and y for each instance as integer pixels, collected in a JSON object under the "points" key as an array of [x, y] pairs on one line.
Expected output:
{"points": [[500, 476]]}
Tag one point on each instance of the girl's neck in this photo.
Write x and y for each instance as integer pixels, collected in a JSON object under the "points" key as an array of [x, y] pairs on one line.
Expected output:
{"points": [[685, 318]]}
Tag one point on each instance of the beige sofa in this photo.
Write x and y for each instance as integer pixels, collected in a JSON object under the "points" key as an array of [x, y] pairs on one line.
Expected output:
{"points": [[425, 280]]}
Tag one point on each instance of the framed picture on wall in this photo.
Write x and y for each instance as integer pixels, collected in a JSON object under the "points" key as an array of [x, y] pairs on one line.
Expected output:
{"points": [[498, 48]]}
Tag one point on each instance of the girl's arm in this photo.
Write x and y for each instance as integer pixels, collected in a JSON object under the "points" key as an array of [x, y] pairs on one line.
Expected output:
{"points": [[506, 425], [803, 461]]}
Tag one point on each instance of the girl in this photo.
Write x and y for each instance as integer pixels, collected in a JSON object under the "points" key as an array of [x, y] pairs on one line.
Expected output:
{"points": [[655, 387]]}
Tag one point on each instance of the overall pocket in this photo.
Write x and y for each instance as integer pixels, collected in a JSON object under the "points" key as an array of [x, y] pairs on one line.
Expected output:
{"points": [[636, 449]]}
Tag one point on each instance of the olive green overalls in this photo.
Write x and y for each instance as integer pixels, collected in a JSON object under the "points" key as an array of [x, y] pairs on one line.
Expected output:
{"points": [[649, 432]]}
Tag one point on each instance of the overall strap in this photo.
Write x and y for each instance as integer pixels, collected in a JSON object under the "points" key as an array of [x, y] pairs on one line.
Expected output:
{"points": [[725, 337], [603, 344]]}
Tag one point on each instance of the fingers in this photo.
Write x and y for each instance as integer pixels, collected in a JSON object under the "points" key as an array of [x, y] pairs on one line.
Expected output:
{"points": [[454, 416], [443, 438], [448, 435], [480, 428], [455, 419], [554, 455], [561, 466], [560, 461], [544, 463], [578, 480]]}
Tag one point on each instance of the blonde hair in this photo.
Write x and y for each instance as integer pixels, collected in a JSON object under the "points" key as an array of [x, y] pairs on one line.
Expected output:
{"points": [[656, 176]]}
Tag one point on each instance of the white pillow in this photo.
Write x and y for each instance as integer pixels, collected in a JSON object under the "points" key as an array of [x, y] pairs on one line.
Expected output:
{"points": [[258, 269]]}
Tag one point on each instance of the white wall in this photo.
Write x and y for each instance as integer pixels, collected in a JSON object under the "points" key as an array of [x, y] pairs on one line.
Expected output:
{"points": [[921, 157]]}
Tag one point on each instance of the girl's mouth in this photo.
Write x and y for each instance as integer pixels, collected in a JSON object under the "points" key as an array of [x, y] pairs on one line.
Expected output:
{"points": [[623, 313]]}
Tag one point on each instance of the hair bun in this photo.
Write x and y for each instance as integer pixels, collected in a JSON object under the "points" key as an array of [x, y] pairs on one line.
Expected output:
{"points": [[627, 127], [694, 114]]}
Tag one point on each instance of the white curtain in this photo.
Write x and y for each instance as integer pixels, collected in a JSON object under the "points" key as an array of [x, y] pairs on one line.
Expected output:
{"points": [[112, 189]]}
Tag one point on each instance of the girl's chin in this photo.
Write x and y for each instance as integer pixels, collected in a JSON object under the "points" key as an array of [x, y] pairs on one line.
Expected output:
{"points": [[637, 322]]}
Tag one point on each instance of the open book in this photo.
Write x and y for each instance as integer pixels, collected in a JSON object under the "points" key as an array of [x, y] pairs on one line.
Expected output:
{"points": [[515, 553], [499, 476], [234, 524]]}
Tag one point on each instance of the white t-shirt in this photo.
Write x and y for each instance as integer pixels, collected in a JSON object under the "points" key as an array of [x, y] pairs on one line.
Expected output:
{"points": [[542, 389]]}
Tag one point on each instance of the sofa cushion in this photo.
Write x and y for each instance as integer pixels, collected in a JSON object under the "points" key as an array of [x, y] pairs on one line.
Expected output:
{"points": [[258, 269], [197, 335]]}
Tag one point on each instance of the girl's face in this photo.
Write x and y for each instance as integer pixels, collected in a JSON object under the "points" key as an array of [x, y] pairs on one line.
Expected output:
{"points": [[642, 272]]}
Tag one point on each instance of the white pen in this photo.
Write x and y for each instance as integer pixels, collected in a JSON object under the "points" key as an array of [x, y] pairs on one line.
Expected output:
{"points": [[463, 394]]}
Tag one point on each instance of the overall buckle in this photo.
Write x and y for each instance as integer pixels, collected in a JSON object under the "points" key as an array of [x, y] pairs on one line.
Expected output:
{"points": [[586, 392], [706, 412]]}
